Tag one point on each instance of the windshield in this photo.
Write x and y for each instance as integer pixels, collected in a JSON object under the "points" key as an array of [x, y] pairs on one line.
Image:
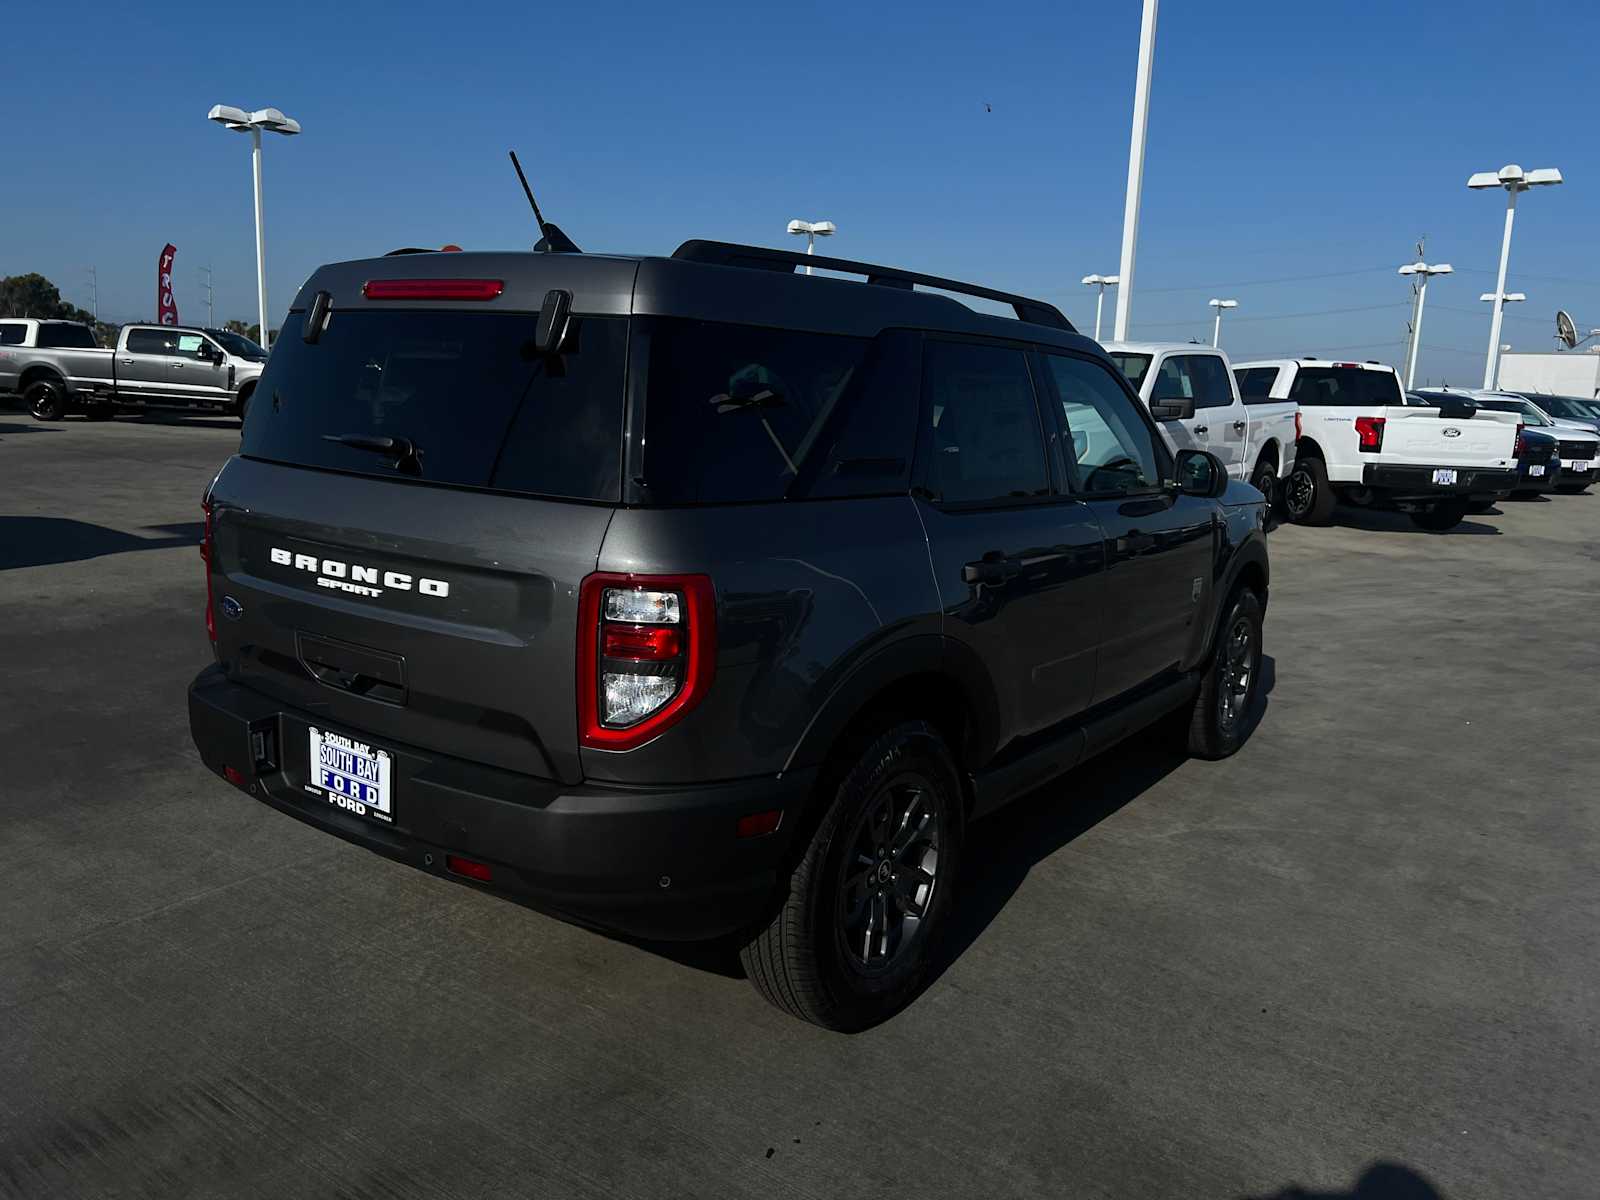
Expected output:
{"points": [[238, 344], [1522, 408], [1133, 366], [466, 394]]}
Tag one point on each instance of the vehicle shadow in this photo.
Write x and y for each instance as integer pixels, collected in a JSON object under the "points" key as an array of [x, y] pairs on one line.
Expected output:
{"points": [[41, 541], [1379, 520], [7, 427], [181, 418], [1380, 1181]]}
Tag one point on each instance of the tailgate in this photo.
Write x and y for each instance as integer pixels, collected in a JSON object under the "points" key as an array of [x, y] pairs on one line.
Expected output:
{"points": [[1421, 437], [445, 623]]}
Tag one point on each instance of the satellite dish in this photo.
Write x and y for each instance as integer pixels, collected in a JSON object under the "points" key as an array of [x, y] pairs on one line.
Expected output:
{"points": [[1566, 331]]}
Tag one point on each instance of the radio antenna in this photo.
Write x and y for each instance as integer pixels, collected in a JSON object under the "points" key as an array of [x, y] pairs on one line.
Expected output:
{"points": [[551, 239]]}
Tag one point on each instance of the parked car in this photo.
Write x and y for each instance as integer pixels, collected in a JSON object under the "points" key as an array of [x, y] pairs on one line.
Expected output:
{"points": [[59, 367], [1361, 443], [1568, 411], [1579, 451], [727, 602], [1253, 434]]}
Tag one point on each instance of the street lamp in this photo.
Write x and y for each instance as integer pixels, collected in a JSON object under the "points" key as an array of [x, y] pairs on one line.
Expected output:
{"points": [[1130, 204], [1216, 328], [1504, 298], [1424, 270], [813, 230], [1514, 179], [253, 123], [1102, 282]]}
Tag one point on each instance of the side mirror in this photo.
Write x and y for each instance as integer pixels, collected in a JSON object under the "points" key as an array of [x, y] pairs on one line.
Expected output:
{"points": [[1172, 408], [1201, 473]]}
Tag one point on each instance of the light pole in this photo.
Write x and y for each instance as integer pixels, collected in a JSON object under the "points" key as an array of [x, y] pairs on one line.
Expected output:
{"points": [[813, 230], [1500, 299], [1102, 282], [1130, 207], [1423, 270], [253, 123], [1514, 179], [1216, 327]]}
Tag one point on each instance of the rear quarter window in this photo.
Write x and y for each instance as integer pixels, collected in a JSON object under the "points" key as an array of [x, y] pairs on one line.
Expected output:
{"points": [[483, 408], [67, 337], [12, 333], [1255, 383]]}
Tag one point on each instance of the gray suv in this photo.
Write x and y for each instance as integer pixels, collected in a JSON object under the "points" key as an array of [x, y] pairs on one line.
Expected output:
{"points": [[690, 597]]}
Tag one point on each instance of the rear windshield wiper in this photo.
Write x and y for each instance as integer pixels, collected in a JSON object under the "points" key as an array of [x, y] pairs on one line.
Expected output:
{"points": [[406, 453]]}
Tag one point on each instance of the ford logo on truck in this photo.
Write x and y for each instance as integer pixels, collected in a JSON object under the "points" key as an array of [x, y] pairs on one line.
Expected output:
{"points": [[356, 579], [1452, 432]]}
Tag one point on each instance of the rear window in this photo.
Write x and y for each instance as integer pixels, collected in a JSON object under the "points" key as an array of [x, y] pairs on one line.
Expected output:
{"points": [[468, 390], [1330, 386], [739, 413], [67, 337], [12, 333], [1133, 366], [1255, 383]]}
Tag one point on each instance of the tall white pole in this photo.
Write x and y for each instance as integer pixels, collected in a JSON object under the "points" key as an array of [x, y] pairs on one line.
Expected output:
{"points": [[1493, 361], [1416, 333], [1216, 330], [1411, 340], [811, 244], [1130, 209], [261, 243], [1099, 304]]}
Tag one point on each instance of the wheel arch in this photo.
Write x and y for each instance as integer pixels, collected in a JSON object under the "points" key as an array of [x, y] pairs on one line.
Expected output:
{"points": [[40, 371], [1308, 447]]}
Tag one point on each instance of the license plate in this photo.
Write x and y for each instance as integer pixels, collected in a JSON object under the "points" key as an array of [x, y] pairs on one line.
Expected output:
{"points": [[1444, 475], [1535, 469], [352, 775], [1582, 465]]}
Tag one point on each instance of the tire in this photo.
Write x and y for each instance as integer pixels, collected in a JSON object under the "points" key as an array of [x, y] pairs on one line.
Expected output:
{"points": [[1265, 480], [101, 411], [46, 400], [1307, 495], [806, 960], [242, 403], [1218, 723], [1445, 515]]}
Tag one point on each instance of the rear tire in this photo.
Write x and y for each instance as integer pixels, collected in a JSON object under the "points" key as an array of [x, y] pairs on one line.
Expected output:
{"points": [[46, 400], [871, 894], [1219, 722], [1442, 516], [1307, 495]]}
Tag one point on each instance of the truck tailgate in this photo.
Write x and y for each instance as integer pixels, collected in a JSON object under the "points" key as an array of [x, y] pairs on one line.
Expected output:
{"points": [[1421, 437]]}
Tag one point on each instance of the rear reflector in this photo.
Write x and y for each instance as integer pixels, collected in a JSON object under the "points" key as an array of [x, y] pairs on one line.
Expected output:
{"points": [[432, 289], [233, 775], [465, 866], [760, 824]]}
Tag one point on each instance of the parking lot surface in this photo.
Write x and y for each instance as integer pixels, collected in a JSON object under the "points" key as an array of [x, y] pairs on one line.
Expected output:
{"points": [[1366, 944]]}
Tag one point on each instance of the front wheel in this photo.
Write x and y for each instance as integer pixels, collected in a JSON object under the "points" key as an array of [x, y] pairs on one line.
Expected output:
{"points": [[871, 894], [1219, 721], [1307, 494], [1265, 481], [1442, 516], [46, 400]]}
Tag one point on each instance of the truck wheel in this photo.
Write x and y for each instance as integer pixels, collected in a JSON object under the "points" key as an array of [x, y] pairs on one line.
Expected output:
{"points": [[46, 400], [1265, 481], [1307, 495], [241, 404], [869, 898], [1218, 722], [1442, 516]]}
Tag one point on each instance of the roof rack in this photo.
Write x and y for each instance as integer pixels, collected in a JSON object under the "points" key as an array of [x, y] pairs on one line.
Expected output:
{"points": [[729, 254]]}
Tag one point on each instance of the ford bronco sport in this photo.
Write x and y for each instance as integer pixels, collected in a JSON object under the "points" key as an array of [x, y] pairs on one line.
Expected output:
{"points": [[690, 597]]}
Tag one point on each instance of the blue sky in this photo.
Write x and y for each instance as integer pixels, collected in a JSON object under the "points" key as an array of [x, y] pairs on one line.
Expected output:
{"points": [[1316, 142]]}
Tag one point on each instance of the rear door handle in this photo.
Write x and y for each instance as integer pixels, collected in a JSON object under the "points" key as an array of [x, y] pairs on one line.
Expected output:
{"points": [[1202, 430], [177, 366], [1238, 426], [127, 362], [990, 570]]}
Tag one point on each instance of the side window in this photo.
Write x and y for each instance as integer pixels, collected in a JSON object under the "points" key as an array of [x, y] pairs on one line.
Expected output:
{"points": [[981, 424], [190, 345], [148, 341], [1113, 451], [1209, 379], [1173, 381], [1255, 383], [12, 334]]}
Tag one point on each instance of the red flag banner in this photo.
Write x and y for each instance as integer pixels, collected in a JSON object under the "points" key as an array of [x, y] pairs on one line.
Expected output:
{"points": [[166, 306]]}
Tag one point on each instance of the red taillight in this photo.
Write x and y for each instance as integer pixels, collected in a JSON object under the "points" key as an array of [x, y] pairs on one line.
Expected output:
{"points": [[640, 642], [482, 872], [760, 824], [1370, 431], [646, 653], [205, 555], [1516, 449], [1298, 433], [432, 289], [233, 775]]}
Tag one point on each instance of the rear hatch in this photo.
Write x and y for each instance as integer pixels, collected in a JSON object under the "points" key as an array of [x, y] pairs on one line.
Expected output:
{"points": [[418, 493]]}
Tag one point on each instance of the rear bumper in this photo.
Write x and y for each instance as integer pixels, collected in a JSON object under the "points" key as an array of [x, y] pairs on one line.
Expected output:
{"points": [[1570, 477], [1416, 482], [656, 863], [1537, 483]]}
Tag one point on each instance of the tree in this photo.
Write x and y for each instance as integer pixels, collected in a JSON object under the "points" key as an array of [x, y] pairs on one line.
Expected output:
{"points": [[32, 295]]}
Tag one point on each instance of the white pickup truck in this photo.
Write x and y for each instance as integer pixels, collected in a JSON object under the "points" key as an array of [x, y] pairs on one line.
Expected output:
{"points": [[1361, 444], [1254, 436]]}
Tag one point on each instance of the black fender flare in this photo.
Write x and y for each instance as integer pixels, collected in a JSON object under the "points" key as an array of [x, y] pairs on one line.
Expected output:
{"points": [[1250, 556]]}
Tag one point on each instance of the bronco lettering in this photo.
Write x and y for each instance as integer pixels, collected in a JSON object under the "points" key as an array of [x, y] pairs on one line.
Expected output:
{"points": [[332, 573]]}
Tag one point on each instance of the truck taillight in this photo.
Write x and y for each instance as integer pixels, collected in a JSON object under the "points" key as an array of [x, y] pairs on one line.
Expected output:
{"points": [[205, 555], [1516, 448], [646, 653], [1299, 432], [1370, 431]]}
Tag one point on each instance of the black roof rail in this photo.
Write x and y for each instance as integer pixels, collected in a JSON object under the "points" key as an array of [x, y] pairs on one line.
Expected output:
{"points": [[730, 254]]}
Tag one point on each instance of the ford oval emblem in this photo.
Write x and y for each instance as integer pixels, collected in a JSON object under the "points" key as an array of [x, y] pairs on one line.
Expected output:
{"points": [[231, 608], [1452, 432]]}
